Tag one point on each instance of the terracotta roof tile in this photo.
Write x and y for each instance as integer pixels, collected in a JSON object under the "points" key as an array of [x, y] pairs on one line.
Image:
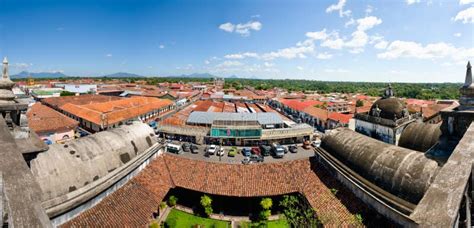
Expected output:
{"points": [[43, 119], [115, 111], [133, 204]]}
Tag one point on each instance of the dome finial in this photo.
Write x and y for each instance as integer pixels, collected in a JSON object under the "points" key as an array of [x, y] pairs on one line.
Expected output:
{"points": [[468, 80], [388, 92]]}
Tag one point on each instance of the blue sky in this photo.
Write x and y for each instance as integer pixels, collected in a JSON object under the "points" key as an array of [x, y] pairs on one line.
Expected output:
{"points": [[349, 40]]}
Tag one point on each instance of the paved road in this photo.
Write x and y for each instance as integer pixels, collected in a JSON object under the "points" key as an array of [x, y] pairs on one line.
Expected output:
{"points": [[201, 155]]}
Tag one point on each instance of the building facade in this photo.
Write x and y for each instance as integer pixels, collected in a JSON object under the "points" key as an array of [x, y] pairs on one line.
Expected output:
{"points": [[386, 119]]}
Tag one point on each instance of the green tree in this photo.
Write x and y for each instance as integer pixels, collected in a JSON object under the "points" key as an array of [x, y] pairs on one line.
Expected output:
{"points": [[266, 204], [298, 212], [359, 103], [162, 205], [171, 223], [206, 203], [66, 93], [172, 201]]}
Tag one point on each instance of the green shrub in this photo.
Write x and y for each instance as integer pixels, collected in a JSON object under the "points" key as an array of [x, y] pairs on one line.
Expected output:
{"points": [[172, 201], [265, 214], [162, 205], [171, 223], [154, 224]]}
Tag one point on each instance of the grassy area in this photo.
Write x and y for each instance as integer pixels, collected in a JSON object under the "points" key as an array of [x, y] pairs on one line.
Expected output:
{"points": [[180, 219], [281, 223]]}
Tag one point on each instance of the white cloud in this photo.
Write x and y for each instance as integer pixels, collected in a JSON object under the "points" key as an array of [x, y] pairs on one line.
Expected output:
{"points": [[458, 34], [367, 23], [339, 6], [297, 51], [465, 2], [242, 29], [324, 55], [349, 22], [358, 40], [256, 16], [21, 65], [267, 64], [337, 43], [408, 49], [207, 62], [466, 16], [410, 2], [108, 55], [229, 64], [381, 45], [369, 9], [228, 27], [299, 68], [241, 55], [162, 46], [321, 35]]}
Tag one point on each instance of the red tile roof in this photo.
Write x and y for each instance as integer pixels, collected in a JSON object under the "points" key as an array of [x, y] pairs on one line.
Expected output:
{"points": [[57, 102], [133, 204], [115, 111], [299, 105], [343, 118], [43, 119], [319, 113]]}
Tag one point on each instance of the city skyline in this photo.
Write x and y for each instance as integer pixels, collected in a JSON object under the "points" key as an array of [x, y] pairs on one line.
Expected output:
{"points": [[336, 40]]}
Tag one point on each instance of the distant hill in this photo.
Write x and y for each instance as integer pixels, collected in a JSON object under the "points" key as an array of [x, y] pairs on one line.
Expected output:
{"points": [[123, 75], [26, 74]]}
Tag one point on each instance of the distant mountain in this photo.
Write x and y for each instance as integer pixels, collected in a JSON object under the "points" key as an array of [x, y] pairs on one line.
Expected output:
{"points": [[123, 75], [26, 74]]}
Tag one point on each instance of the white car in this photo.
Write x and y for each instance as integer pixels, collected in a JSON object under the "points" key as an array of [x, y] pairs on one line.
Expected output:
{"points": [[220, 152], [316, 143], [212, 149]]}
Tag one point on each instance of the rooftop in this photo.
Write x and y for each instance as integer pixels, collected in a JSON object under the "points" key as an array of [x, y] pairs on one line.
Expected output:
{"points": [[116, 110], [43, 119], [57, 102], [264, 118], [134, 203]]}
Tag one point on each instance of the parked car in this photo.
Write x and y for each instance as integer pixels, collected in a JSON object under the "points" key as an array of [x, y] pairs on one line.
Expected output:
{"points": [[256, 150], [265, 150], [277, 151], [194, 149], [246, 161], [173, 148], [306, 145], [211, 150], [256, 158], [293, 148], [186, 147], [232, 152], [316, 143], [285, 148], [246, 152], [220, 152]]}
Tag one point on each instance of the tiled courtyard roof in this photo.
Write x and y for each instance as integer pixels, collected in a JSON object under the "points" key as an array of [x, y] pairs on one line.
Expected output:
{"points": [[134, 204]]}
